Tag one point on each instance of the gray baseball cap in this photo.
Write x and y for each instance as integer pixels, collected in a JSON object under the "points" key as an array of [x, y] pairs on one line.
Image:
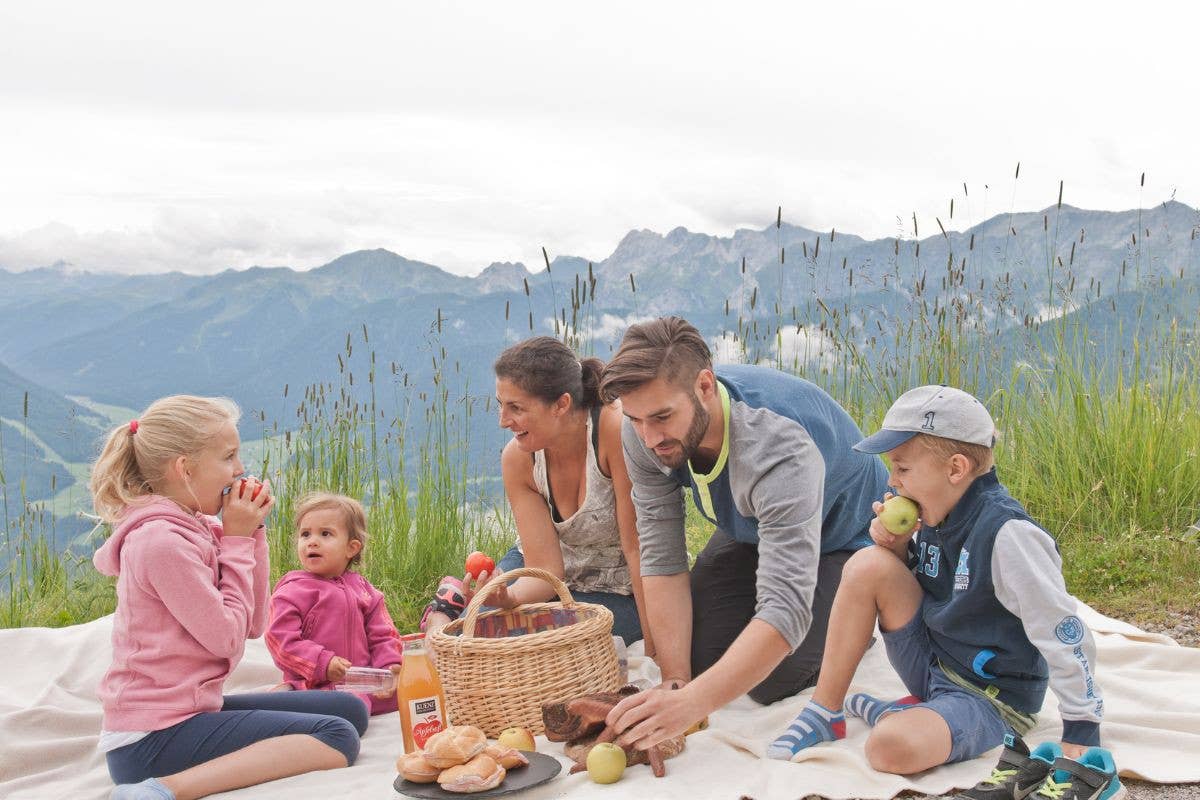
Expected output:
{"points": [[936, 410]]}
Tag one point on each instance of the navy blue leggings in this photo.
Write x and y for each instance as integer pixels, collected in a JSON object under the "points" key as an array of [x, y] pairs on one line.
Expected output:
{"points": [[336, 718], [625, 615]]}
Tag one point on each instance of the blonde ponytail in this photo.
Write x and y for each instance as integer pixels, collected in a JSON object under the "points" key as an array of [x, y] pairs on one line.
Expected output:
{"points": [[136, 455]]}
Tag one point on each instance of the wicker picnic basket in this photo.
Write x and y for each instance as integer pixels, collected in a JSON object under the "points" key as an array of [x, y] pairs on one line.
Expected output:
{"points": [[500, 683]]}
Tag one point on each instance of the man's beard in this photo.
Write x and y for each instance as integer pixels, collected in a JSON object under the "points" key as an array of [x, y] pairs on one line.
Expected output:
{"points": [[691, 439]]}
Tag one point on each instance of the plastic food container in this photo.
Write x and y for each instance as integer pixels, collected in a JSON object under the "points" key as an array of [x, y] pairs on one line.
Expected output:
{"points": [[366, 679]]}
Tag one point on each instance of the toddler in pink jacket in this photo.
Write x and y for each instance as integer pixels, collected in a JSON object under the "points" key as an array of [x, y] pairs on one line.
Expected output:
{"points": [[326, 618]]}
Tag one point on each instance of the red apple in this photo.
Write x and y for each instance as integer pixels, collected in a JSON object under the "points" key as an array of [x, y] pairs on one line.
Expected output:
{"points": [[478, 563]]}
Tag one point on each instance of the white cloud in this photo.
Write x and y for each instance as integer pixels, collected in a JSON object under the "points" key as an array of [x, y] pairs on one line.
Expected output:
{"points": [[727, 349], [613, 326], [226, 135], [804, 347], [192, 240]]}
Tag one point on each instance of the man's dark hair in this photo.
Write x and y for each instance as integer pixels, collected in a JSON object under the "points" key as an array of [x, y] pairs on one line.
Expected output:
{"points": [[669, 348]]}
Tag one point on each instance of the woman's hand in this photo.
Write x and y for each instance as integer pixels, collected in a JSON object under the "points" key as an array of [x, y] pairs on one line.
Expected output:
{"points": [[498, 597], [246, 506]]}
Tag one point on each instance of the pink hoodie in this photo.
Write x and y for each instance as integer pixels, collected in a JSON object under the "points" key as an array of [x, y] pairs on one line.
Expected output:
{"points": [[314, 619], [187, 600]]}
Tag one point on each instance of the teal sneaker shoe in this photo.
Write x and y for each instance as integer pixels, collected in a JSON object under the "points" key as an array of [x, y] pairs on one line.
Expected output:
{"points": [[1018, 773], [1092, 777]]}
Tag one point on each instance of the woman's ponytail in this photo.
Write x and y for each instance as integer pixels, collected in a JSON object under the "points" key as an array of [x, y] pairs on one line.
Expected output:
{"points": [[592, 369]]}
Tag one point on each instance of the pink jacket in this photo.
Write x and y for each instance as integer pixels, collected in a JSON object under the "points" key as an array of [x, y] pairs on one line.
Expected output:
{"points": [[314, 619], [187, 600]]}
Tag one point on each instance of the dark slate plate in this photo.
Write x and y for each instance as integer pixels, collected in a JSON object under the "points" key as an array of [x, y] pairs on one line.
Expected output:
{"points": [[541, 769]]}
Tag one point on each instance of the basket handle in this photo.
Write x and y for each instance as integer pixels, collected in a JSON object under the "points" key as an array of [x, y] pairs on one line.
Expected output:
{"points": [[469, 616]]}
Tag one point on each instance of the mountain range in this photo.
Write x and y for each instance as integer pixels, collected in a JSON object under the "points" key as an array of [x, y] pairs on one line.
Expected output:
{"points": [[114, 340]]}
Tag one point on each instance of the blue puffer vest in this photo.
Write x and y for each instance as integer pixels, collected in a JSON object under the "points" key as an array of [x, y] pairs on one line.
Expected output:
{"points": [[971, 631]]}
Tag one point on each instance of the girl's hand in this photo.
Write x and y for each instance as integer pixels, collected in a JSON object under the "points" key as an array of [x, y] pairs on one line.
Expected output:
{"points": [[384, 695], [337, 669], [242, 511]]}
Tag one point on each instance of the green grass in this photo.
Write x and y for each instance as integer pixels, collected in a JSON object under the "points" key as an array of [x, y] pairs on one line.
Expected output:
{"points": [[1103, 453]]}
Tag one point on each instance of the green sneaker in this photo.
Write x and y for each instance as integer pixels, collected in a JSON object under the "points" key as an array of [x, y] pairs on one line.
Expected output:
{"points": [[1018, 774], [1092, 777]]}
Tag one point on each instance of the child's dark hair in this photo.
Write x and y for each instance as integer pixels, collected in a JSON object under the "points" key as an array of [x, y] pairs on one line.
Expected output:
{"points": [[547, 369]]}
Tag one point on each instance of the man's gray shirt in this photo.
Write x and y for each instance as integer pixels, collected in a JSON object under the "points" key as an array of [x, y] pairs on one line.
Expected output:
{"points": [[789, 483]]}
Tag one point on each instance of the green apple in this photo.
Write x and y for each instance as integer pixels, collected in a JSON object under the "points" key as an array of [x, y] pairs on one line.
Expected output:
{"points": [[517, 738], [898, 515], [605, 763]]}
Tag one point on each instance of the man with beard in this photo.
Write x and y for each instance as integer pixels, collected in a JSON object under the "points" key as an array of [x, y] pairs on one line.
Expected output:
{"points": [[768, 458]]}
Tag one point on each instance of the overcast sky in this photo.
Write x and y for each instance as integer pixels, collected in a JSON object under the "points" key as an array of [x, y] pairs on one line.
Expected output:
{"points": [[152, 136]]}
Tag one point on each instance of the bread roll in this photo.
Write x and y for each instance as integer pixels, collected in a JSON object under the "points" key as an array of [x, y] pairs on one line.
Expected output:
{"points": [[456, 745], [413, 767], [477, 775], [507, 757]]}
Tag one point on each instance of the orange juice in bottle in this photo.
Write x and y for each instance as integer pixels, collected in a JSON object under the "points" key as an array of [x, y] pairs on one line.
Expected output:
{"points": [[419, 694]]}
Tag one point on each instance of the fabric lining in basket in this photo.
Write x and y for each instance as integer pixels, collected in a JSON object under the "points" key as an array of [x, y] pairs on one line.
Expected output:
{"points": [[498, 683]]}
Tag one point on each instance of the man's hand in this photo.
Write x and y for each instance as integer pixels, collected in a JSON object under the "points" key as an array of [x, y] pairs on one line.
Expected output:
{"points": [[337, 669], [648, 718]]}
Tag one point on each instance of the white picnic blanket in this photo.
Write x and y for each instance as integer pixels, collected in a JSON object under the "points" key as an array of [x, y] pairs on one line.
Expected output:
{"points": [[50, 722]]}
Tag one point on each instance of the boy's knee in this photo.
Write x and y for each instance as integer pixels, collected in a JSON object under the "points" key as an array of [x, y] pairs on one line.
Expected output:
{"points": [[887, 750], [869, 564]]}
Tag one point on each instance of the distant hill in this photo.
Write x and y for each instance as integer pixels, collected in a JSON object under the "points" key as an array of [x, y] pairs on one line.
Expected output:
{"points": [[69, 429], [41, 306], [126, 340]]}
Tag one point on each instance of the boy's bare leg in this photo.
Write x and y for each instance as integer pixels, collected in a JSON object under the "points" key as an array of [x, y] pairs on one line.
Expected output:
{"points": [[910, 741], [875, 585], [266, 760]]}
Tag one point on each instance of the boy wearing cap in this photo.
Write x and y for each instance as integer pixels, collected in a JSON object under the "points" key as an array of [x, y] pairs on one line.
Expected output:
{"points": [[973, 611]]}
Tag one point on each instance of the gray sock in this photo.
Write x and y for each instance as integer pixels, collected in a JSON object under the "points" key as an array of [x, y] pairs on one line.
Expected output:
{"points": [[149, 789]]}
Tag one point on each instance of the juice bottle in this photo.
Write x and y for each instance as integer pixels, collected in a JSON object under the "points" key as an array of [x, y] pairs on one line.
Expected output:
{"points": [[419, 695]]}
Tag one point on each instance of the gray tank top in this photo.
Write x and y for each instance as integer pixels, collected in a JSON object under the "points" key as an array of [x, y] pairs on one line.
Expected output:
{"points": [[591, 544]]}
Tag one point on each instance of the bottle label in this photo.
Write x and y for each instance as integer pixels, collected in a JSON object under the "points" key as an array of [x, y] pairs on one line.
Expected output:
{"points": [[426, 719]]}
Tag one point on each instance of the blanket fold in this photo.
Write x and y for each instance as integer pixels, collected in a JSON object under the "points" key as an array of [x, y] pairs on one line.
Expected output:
{"points": [[50, 723]]}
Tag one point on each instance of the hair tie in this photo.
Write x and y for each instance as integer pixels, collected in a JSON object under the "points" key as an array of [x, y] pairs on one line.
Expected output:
{"points": [[133, 426]]}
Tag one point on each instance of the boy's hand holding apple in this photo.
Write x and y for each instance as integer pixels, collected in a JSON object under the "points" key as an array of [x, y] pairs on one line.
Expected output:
{"points": [[896, 519]]}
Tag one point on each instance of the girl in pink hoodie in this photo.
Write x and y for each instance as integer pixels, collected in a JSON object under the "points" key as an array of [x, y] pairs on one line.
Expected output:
{"points": [[325, 618], [190, 590]]}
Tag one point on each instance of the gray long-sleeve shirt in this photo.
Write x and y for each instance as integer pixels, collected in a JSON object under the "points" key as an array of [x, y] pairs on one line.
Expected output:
{"points": [[787, 480]]}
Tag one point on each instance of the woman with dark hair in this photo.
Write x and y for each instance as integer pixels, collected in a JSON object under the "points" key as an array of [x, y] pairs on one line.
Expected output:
{"points": [[565, 479]]}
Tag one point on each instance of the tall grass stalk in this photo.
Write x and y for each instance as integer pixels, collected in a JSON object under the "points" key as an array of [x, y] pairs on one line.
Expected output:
{"points": [[1100, 443]]}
